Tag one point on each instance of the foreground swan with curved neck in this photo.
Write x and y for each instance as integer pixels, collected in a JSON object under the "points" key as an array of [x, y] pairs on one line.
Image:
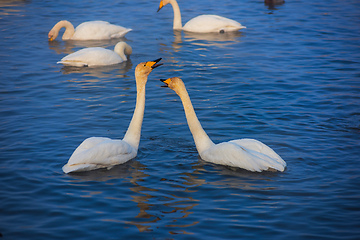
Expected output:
{"points": [[97, 56], [101, 152], [248, 154], [92, 30], [202, 23]]}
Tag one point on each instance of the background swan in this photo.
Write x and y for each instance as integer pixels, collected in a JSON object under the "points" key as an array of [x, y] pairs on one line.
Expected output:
{"points": [[202, 23], [92, 30], [248, 154], [97, 56], [100, 152]]}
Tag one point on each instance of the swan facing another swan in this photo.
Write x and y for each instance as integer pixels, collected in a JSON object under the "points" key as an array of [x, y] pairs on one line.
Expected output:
{"points": [[102, 152], [97, 56], [202, 23], [92, 30], [248, 154]]}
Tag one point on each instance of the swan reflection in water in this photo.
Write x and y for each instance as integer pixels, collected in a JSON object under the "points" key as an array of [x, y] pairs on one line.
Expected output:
{"points": [[173, 200], [153, 204], [101, 72], [205, 39], [70, 46]]}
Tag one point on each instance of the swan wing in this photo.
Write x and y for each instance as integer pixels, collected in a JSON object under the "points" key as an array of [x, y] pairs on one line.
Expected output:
{"points": [[99, 30], [99, 152], [248, 154], [95, 56], [212, 23]]}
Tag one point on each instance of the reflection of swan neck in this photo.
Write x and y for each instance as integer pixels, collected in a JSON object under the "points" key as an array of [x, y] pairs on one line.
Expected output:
{"points": [[201, 139], [69, 29], [133, 133], [177, 14]]}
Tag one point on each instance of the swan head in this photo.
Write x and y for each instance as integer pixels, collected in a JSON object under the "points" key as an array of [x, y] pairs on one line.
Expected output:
{"points": [[174, 83], [52, 35], [163, 3], [145, 68]]}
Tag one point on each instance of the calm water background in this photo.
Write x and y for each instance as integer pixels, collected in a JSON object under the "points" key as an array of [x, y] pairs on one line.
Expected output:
{"points": [[291, 80]]}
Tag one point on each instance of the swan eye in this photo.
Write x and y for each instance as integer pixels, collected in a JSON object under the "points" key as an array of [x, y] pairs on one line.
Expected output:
{"points": [[222, 31]]}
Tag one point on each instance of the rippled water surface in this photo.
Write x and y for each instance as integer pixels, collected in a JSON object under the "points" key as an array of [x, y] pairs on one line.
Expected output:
{"points": [[290, 79]]}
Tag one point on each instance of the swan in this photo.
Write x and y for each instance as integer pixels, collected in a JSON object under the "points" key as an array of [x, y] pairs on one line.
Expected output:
{"points": [[92, 30], [103, 152], [202, 23], [97, 56], [248, 154]]}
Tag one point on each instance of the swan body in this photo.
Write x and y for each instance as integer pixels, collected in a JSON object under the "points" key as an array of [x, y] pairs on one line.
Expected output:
{"points": [[92, 30], [102, 152], [97, 56], [249, 154], [202, 23]]}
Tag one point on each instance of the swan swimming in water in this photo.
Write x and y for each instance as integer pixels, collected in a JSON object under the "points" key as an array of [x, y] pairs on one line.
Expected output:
{"points": [[97, 56], [92, 30], [202, 23], [248, 154], [102, 152]]}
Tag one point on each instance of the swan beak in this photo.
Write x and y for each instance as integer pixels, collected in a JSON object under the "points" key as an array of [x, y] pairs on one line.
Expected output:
{"points": [[161, 5], [166, 81], [51, 39], [153, 64]]}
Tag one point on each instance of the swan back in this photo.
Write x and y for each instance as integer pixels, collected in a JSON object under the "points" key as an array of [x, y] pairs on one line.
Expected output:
{"points": [[89, 57], [99, 30], [248, 154], [97, 152], [212, 23]]}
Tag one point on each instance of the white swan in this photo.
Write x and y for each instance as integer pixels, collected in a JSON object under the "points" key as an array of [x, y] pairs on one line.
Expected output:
{"points": [[101, 152], [248, 154], [97, 56], [93, 30], [202, 23]]}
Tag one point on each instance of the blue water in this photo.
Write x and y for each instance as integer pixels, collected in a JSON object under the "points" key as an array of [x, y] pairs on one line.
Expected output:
{"points": [[291, 79]]}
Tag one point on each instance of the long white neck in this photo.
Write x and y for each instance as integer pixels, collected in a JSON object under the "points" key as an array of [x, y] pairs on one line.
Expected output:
{"points": [[201, 139], [177, 14], [132, 135], [69, 29]]}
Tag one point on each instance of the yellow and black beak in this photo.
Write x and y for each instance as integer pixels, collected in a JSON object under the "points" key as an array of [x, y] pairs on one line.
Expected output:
{"points": [[161, 5], [166, 81], [154, 64], [51, 38]]}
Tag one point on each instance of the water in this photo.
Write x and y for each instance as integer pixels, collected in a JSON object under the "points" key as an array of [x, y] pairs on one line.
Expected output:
{"points": [[290, 80]]}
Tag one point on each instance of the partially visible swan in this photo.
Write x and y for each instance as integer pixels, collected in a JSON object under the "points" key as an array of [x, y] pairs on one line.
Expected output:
{"points": [[102, 152], [202, 23], [93, 30], [248, 154], [97, 56]]}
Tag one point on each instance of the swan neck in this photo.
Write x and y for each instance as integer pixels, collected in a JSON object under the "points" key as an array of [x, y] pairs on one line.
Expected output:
{"points": [[177, 15], [123, 49], [69, 29], [132, 135], [201, 139]]}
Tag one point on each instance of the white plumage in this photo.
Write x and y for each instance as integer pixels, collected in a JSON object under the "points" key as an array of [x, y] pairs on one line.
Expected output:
{"points": [[249, 154], [97, 56], [101, 152], [202, 23], [92, 30]]}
